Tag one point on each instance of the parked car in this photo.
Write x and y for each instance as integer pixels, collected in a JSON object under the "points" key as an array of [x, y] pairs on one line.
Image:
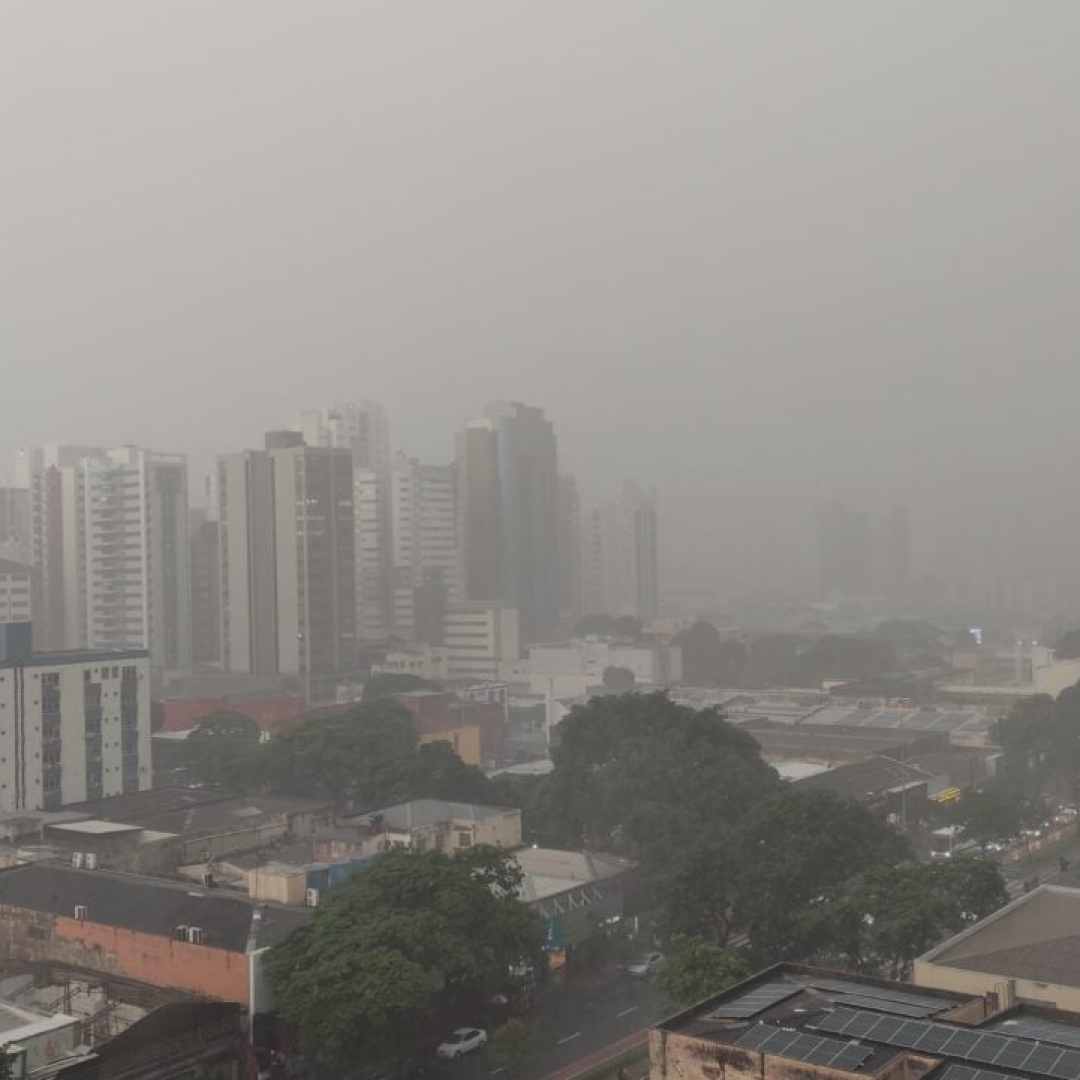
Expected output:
{"points": [[645, 964], [462, 1041]]}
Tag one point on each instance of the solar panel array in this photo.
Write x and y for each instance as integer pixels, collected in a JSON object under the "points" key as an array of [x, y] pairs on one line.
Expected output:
{"points": [[756, 1001], [967, 1044], [966, 1072], [784, 1042], [863, 996], [908, 719], [1043, 1030]]}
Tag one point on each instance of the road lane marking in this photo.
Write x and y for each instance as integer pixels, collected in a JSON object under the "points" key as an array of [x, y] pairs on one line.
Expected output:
{"points": [[567, 1038], [626, 1012], [501, 1068]]}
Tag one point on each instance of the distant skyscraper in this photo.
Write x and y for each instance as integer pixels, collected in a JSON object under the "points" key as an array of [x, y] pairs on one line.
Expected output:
{"points": [[569, 542], [361, 427], [205, 545], [508, 492], [16, 524], [620, 560], [288, 569], [426, 570], [862, 553], [134, 533]]}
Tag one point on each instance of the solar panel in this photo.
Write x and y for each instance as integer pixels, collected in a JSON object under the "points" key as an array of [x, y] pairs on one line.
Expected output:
{"points": [[1040, 1030], [843, 986], [896, 1008], [783, 1042], [981, 1047], [966, 1072], [756, 1001]]}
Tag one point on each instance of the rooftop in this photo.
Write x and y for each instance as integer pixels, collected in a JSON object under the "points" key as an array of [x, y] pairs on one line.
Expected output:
{"points": [[193, 812], [1036, 938], [147, 905], [423, 812], [549, 872], [855, 1024], [77, 656]]}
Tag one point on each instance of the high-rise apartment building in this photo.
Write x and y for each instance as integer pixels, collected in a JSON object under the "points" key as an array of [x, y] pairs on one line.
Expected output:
{"points": [[426, 555], [16, 524], [135, 536], [508, 492], [16, 603], [288, 568], [862, 553], [111, 551], [570, 539], [361, 428], [620, 555], [205, 547], [76, 725]]}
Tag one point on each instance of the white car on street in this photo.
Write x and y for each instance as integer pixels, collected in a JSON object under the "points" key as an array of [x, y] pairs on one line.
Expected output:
{"points": [[462, 1041], [645, 965]]}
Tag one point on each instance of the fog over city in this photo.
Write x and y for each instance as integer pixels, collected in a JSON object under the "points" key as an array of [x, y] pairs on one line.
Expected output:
{"points": [[758, 256]]}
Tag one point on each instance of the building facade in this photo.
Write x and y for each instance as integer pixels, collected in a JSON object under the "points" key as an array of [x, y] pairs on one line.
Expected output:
{"points": [[73, 726], [508, 490], [478, 637], [16, 602], [288, 583], [204, 543], [135, 536], [620, 555], [426, 555]]}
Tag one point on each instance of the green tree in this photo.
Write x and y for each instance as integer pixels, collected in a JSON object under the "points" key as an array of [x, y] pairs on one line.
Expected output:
{"points": [[220, 746], [641, 775], [798, 854], [619, 678], [697, 969], [990, 815], [897, 913], [362, 978], [513, 1044], [391, 683], [697, 887], [7, 1063]]}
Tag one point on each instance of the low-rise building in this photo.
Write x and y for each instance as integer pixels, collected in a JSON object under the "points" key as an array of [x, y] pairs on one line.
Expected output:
{"points": [[167, 934], [570, 669], [425, 825], [1028, 951], [210, 824], [576, 893], [796, 1022]]}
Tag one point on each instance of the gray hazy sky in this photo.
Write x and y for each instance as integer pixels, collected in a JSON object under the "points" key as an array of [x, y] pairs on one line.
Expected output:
{"points": [[804, 248]]}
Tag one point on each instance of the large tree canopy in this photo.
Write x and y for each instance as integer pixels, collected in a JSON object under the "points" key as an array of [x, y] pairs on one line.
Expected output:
{"points": [[638, 773], [361, 978], [367, 757]]}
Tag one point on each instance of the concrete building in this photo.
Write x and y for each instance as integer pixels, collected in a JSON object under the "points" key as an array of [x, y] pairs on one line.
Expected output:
{"points": [[792, 1021], [620, 560], [16, 603], [361, 428], [288, 583], [134, 532], [72, 725], [508, 498], [478, 638], [16, 524], [1027, 952], [131, 927], [570, 554], [204, 543], [426, 554], [424, 824], [570, 670]]}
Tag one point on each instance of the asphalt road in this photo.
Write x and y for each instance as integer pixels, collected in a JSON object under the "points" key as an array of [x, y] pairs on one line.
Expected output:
{"points": [[575, 1023]]}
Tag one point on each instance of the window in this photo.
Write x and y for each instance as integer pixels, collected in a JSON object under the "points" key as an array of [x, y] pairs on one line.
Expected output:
{"points": [[464, 839]]}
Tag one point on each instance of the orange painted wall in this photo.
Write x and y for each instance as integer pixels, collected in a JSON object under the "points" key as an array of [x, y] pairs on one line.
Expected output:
{"points": [[216, 973]]}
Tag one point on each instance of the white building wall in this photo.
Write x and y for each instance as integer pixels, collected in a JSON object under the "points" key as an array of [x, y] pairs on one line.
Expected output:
{"points": [[478, 637], [16, 604], [43, 697]]}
